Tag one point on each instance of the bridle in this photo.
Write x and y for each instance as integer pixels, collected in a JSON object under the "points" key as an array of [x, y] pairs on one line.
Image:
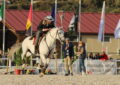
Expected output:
{"points": [[56, 36], [59, 37]]}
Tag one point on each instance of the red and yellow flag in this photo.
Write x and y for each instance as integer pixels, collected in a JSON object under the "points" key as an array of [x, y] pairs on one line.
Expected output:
{"points": [[29, 20]]}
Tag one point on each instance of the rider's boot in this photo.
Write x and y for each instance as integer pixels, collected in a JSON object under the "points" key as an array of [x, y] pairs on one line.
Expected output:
{"points": [[36, 49]]}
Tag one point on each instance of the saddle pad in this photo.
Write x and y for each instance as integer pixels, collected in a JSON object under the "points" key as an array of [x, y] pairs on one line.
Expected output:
{"points": [[34, 40]]}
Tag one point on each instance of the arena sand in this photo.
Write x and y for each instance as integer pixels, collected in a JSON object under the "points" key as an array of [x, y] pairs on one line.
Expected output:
{"points": [[60, 80]]}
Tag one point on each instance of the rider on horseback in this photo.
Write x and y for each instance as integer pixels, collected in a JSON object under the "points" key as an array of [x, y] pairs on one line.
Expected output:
{"points": [[45, 25]]}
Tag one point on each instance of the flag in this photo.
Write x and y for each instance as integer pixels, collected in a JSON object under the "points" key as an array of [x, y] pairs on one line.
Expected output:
{"points": [[77, 16], [29, 22], [102, 24], [117, 30], [72, 22], [75, 19], [54, 12], [2, 11]]}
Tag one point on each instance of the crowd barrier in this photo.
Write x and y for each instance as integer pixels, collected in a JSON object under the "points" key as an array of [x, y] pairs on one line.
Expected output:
{"points": [[101, 67], [92, 66]]}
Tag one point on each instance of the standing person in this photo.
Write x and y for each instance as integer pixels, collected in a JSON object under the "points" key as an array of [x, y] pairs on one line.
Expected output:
{"points": [[68, 53], [82, 55], [45, 25]]}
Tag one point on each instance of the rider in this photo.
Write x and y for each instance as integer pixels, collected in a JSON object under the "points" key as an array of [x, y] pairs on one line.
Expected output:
{"points": [[45, 25]]}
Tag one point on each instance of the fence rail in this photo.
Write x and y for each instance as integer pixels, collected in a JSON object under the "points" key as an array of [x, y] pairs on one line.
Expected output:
{"points": [[116, 62]]}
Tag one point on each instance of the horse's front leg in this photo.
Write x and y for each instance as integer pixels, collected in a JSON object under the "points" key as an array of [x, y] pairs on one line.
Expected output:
{"points": [[45, 64]]}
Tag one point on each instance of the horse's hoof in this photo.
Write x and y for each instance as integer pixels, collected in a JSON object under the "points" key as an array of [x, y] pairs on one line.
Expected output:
{"points": [[41, 75]]}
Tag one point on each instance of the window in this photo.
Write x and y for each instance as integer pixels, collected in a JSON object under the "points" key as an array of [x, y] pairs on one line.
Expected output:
{"points": [[118, 51], [107, 39]]}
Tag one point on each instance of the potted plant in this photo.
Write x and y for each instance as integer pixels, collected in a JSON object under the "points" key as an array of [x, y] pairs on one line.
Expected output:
{"points": [[18, 62]]}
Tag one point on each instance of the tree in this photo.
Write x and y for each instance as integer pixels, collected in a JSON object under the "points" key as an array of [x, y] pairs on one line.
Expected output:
{"points": [[68, 5], [117, 3]]}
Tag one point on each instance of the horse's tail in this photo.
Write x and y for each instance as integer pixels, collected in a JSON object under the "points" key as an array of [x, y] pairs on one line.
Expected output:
{"points": [[13, 50]]}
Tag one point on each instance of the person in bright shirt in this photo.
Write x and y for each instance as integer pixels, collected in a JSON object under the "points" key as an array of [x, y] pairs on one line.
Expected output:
{"points": [[104, 56]]}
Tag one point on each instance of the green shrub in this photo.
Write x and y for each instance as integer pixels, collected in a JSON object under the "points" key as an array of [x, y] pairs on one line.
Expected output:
{"points": [[18, 59]]}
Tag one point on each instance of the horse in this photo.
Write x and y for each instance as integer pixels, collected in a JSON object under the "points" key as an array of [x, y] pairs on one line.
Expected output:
{"points": [[46, 46]]}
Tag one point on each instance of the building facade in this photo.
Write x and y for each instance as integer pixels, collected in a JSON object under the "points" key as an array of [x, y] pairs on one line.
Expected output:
{"points": [[89, 27], [110, 45]]}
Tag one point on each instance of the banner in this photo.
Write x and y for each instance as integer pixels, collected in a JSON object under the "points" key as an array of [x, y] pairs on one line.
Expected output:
{"points": [[92, 66], [100, 67]]}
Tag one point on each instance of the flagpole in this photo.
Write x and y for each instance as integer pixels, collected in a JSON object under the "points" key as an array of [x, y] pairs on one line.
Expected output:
{"points": [[61, 18], [118, 45], [55, 13], [103, 28], [55, 22], [31, 4], [79, 20], [32, 18], [4, 30]]}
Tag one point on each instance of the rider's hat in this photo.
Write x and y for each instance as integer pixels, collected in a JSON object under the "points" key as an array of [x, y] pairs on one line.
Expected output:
{"points": [[49, 18]]}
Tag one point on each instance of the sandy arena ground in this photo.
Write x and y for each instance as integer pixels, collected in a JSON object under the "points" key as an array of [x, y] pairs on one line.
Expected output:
{"points": [[60, 80]]}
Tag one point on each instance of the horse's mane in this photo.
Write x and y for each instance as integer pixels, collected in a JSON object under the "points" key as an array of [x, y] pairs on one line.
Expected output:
{"points": [[54, 28]]}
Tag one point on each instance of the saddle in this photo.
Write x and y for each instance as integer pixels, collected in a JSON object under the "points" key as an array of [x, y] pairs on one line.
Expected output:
{"points": [[41, 37], [33, 36]]}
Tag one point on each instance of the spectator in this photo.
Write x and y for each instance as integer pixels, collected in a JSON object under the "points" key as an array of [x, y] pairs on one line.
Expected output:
{"points": [[68, 54], [82, 55], [104, 56], [90, 56], [97, 56], [0, 53]]}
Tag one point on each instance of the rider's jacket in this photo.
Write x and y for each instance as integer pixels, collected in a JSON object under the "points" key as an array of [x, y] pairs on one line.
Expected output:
{"points": [[43, 26]]}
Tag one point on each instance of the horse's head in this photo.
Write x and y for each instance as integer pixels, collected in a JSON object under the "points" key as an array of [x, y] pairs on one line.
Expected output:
{"points": [[60, 35]]}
